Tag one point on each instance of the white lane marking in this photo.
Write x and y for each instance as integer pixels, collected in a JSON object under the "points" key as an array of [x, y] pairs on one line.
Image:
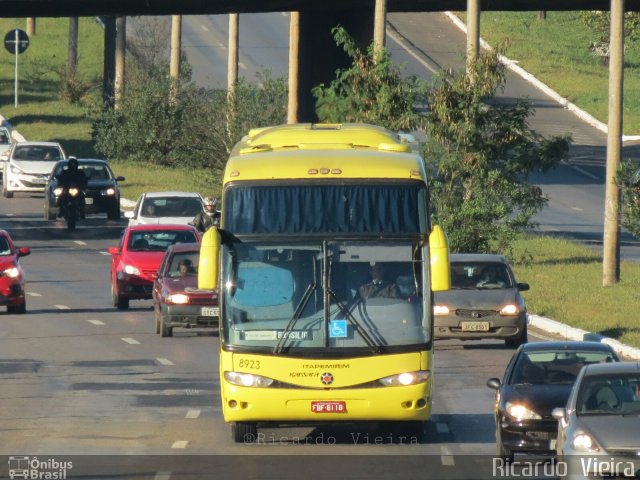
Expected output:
{"points": [[442, 427], [192, 414], [584, 172], [105, 253], [79, 242], [447, 457], [164, 361], [577, 209], [62, 307], [204, 28], [34, 294], [96, 322], [11, 214], [162, 476], [131, 341], [242, 65], [403, 43], [180, 444]]}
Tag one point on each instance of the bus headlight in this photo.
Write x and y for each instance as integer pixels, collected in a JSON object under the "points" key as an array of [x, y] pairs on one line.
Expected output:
{"points": [[247, 379], [407, 378]]}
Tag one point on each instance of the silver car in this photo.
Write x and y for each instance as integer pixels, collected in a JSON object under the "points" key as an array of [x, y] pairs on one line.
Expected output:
{"points": [[484, 301], [166, 208], [599, 430]]}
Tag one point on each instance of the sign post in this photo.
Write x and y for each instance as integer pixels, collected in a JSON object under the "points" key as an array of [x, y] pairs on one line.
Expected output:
{"points": [[16, 42]]}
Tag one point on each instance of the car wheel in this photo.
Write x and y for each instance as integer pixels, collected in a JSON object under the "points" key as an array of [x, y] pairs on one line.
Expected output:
{"points": [[504, 453], [114, 214], [22, 308], [6, 193], [156, 314], [520, 340], [165, 330], [120, 302], [244, 432]]}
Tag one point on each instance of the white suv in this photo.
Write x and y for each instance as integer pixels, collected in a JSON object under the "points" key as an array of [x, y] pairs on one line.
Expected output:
{"points": [[28, 165]]}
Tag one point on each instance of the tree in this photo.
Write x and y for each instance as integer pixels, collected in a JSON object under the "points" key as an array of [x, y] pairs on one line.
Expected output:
{"points": [[479, 152], [628, 179]]}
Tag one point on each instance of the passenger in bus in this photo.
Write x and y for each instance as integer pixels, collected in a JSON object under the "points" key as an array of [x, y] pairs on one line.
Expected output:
{"points": [[378, 286]]}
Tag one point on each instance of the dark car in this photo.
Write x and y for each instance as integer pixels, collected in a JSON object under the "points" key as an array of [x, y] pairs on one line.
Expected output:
{"points": [[11, 275], [484, 301], [538, 379], [102, 194], [137, 258], [177, 301]]}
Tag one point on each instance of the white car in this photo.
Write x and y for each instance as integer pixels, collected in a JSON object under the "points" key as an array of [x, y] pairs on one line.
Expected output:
{"points": [[166, 208], [27, 166]]}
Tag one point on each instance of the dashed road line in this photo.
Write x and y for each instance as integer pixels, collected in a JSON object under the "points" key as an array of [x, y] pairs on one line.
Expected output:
{"points": [[204, 28], [242, 65], [62, 307], [104, 253], [79, 242], [447, 457], [96, 322], [162, 476], [192, 414], [164, 361], [34, 294], [584, 172], [577, 209], [180, 444], [131, 341]]}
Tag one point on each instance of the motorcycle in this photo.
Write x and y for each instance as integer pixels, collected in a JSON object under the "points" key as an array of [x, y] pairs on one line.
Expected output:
{"points": [[71, 205]]}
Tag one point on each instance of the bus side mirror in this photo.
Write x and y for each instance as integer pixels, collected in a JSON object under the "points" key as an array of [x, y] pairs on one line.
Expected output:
{"points": [[208, 263], [439, 260]]}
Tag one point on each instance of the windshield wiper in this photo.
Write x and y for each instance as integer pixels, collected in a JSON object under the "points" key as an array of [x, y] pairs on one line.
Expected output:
{"points": [[294, 318], [375, 346]]}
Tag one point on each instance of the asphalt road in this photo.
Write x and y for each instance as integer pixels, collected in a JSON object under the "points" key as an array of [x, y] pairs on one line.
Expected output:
{"points": [[84, 381]]}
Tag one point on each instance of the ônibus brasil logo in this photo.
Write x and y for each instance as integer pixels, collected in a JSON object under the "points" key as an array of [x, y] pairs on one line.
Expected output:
{"points": [[21, 466]]}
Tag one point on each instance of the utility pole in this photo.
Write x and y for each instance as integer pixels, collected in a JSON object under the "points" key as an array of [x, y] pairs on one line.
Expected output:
{"points": [[121, 46], [294, 66], [176, 48], [72, 48], [31, 26], [611, 240], [379, 27], [232, 61], [473, 34]]}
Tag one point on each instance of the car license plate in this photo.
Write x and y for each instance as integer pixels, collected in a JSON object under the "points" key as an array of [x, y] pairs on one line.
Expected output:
{"points": [[39, 181], [474, 326], [210, 311], [329, 407], [88, 201]]}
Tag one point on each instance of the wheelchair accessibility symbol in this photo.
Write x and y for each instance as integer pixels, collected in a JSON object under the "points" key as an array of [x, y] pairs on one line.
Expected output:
{"points": [[338, 329]]}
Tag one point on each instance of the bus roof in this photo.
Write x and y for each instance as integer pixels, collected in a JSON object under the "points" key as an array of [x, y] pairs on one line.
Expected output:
{"points": [[323, 151]]}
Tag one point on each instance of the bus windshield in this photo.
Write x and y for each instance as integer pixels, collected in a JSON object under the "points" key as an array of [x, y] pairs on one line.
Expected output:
{"points": [[324, 295], [357, 207]]}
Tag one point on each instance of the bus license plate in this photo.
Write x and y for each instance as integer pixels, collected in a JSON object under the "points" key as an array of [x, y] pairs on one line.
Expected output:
{"points": [[210, 311], [474, 326], [329, 407]]}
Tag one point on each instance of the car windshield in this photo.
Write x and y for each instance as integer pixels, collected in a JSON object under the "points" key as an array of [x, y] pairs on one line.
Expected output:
{"points": [[171, 207], [5, 249], [37, 153], [554, 367], [480, 275], [184, 264], [96, 171], [158, 240], [613, 394]]}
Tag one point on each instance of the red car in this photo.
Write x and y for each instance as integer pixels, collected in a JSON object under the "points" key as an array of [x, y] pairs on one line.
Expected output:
{"points": [[177, 302], [11, 275], [135, 261]]}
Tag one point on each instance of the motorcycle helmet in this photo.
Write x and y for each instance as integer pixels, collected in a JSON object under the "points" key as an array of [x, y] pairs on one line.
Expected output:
{"points": [[72, 163]]}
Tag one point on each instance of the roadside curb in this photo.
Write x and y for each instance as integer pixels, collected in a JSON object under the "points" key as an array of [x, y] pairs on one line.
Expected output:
{"points": [[512, 65], [572, 333]]}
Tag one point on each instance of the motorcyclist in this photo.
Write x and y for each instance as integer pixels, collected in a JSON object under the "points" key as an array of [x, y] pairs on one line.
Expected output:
{"points": [[208, 217], [72, 176]]}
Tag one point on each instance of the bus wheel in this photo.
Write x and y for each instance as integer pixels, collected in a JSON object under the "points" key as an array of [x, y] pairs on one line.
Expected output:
{"points": [[244, 432]]}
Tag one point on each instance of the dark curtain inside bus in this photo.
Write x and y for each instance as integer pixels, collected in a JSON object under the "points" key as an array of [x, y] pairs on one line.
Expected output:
{"points": [[398, 208]]}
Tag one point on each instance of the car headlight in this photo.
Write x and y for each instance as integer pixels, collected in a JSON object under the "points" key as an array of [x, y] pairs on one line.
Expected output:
{"points": [[15, 170], [178, 298], [440, 310], [510, 309], [584, 443], [407, 378], [247, 379], [57, 191], [520, 412], [12, 272], [131, 270], [108, 192]]}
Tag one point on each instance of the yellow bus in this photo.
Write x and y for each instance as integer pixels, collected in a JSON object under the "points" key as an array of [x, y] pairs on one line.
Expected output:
{"points": [[311, 213]]}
